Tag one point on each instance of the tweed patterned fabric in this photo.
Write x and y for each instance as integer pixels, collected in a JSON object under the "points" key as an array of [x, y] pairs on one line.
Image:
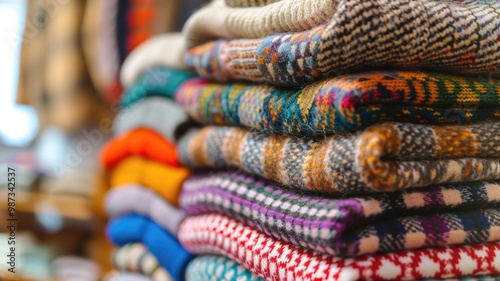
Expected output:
{"points": [[384, 157], [135, 257], [155, 81], [345, 103], [217, 268], [384, 222], [274, 260], [453, 36]]}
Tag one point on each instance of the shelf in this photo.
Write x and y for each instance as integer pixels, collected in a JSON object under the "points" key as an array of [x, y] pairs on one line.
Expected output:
{"points": [[67, 206]]}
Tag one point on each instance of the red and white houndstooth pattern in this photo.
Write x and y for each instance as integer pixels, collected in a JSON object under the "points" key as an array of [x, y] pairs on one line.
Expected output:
{"points": [[275, 260]]}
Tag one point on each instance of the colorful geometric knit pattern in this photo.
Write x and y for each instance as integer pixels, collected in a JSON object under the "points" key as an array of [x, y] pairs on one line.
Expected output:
{"points": [[274, 260], [345, 103], [156, 81], [353, 226], [135, 257], [384, 157], [249, 3], [452, 36], [217, 268]]}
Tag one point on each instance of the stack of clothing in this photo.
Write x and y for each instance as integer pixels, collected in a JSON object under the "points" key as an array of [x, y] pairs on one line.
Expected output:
{"points": [[343, 140], [144, 177]]}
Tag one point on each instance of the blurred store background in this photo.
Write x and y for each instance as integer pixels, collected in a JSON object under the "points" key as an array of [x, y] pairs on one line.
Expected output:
{"points": [[58, 93]]}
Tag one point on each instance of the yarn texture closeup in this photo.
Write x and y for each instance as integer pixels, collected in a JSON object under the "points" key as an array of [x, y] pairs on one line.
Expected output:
{"points": [[384, 157], [345, 103], [449, 36]]}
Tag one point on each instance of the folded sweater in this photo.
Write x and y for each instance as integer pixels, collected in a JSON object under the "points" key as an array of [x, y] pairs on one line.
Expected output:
{"points": [[140, 142], [217, 268], [164, 180], [451, 36], [384, 157], [345, 103], [156, 113], [135, 257], [134, 198], [449, 214], [165, 247], [274, 260]]}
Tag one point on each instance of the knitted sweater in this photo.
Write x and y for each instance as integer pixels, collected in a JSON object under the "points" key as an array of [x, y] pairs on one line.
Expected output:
{"points": [[384, 157], [138, 229], [274, 260], [135, 257], [156, 81], [156, 113], [141, 142], [384, 222], [345, 103], [161, 50], [217, 268], [218, 20], [134, 198], [249, 3], [453, 36], [164, 180]]}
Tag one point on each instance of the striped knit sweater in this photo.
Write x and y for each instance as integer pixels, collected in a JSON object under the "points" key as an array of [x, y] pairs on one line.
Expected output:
{"points": [[384, 157], [453, 36]]}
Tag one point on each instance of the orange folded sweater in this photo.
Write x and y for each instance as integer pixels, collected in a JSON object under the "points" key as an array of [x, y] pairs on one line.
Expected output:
{"points": [[140, 142], [165, 180]]}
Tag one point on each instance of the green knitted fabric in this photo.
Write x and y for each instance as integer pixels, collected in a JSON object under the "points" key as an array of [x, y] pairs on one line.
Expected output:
{"points": [[156, 81], [218, 268], [345, 103], [384, 157], [453, 36]]}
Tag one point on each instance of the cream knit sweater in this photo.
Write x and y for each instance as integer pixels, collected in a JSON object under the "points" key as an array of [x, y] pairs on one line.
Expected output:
{"points": [[217, 20]]}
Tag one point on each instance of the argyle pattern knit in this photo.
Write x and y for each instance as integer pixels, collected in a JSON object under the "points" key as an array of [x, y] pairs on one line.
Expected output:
{"points": [[217, 268], [384, 222], [135, 257], [155, 81], [384, 157], [345, 103], [452, 36], [274, 260]]}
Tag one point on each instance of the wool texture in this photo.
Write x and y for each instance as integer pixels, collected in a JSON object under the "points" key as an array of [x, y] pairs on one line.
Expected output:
{"points": [[249, 3], [384, 157], [141, 142], [156, 113], [155, 81], [135, 257], [133, 198], [217, 268], [217, 20], [450, 36], [383, 222], [161, 50], [345, 103], [164, 180], [274, 260], [140, 229]]}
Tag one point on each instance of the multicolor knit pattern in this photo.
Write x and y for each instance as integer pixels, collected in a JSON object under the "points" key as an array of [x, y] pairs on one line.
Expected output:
{"points": [[274, 260], [453, 36], [156, 81], [345, 103], [352, 226], [218, 268], [384, 157], [135, 257]]}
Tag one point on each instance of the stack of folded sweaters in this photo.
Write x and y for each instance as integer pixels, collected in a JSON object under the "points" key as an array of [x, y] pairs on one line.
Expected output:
{"points": [[362, 142]]}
